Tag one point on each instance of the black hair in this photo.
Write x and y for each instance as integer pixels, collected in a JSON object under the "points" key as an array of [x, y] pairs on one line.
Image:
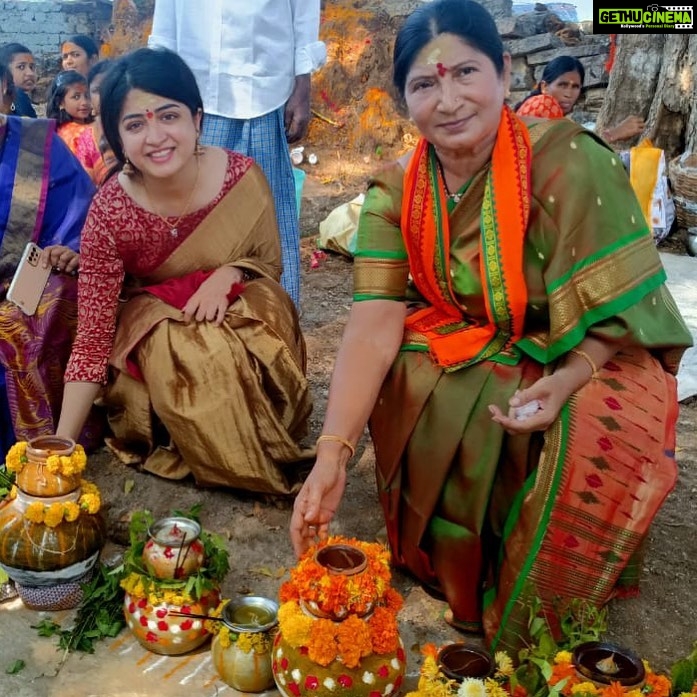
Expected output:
{"points": [[58, 90], [554, 69], [464, 18], [86, 43], [98, 69], [9, 51], [155, 70], [6, 77]]}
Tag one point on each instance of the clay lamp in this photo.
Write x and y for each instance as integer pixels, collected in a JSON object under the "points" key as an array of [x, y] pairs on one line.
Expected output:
{"points": [[604, 663], [459, 661]]}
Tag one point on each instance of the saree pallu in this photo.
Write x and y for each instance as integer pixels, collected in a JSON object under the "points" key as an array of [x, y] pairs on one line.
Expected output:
{"points": [[492, 520], [226, 403], [45, 195]]}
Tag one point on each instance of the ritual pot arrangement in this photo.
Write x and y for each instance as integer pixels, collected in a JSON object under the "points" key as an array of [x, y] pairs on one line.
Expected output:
{"points": [[51, 532]]}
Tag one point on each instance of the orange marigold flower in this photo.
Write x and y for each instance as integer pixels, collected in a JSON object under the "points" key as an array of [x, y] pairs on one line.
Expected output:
{"points": [[287, 591], [353, 641], [322, 647], [429, 650], [295, 624], [383, 628], [614, 689], [393, 600], [659, 685]]}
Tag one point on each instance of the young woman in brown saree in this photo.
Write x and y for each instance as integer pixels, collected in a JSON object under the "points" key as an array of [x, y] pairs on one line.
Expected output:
{"points": [[200, 349], [512, 343]]}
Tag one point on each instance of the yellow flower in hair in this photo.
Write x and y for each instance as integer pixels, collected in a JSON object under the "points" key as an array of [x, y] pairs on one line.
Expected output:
{"points": [[35, 512]]}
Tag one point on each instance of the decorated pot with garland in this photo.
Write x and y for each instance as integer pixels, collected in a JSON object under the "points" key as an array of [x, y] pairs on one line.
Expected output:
{"points": [[243, 630], [168, 600], [51, 532], [338, 624]]}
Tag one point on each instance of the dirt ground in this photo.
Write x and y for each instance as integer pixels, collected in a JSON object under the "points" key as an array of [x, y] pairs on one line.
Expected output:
{"points": [[660, 625]]}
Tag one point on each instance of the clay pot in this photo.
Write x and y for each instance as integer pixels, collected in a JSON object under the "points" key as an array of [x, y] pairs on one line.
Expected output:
{"points": [[35, 479], [338, 560], [296, 675], [35, 547], [459, 661], [246, 671], [602, 663], [159, 631], [174, 550]]}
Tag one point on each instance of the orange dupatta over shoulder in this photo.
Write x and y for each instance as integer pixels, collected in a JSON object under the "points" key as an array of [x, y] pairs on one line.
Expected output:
{"points": [[453, 340]]}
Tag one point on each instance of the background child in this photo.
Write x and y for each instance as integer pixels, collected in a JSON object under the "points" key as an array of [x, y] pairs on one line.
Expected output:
{"points": [[69, 104], [92, 149]]}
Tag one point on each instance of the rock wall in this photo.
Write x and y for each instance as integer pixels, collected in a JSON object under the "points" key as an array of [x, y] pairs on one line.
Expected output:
{"points": [[42, 25]]}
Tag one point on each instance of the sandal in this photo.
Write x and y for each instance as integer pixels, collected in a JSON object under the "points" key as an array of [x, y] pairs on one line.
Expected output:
{"points": [[461, 626]]}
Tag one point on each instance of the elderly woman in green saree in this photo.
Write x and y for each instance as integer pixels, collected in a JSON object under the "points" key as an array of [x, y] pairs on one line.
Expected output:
{"points": [[512, 344]]}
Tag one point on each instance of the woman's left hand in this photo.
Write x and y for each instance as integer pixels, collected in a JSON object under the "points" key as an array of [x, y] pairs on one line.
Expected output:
{"points": [[209, 303], [61, 258], [550, 392]]}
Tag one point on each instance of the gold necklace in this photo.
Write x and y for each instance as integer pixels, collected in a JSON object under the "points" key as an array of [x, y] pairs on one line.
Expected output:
{"points": [[174, 227]]}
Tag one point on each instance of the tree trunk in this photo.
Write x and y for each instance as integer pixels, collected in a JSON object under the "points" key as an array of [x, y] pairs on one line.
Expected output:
{"points": [[654, 76]]}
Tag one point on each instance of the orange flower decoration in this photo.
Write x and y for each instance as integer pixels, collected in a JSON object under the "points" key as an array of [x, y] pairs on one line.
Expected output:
{"points": [[660, 685], [323, 648]]}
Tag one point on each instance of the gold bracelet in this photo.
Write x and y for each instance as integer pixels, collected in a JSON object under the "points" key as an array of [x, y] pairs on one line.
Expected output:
{"points": [[338, 439], [583, 354]]}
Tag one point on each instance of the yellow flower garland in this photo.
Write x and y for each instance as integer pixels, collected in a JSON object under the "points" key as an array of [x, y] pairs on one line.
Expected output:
{"points": [[53, 514], [65, 465], [259, 642]]}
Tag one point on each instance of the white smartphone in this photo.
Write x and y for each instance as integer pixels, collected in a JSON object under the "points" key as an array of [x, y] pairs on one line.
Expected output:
{"points": [[29, 280]]}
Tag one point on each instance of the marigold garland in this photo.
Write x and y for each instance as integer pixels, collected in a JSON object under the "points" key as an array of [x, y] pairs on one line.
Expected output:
{"points": [[65, 465], [53, 514], [366, 599], [336, 594]]}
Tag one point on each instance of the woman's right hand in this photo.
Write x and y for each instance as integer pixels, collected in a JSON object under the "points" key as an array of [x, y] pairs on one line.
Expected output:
{"points": [[316, 504]]}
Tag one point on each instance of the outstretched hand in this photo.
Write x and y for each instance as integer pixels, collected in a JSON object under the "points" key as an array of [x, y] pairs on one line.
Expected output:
{"points": [[316, 504]]}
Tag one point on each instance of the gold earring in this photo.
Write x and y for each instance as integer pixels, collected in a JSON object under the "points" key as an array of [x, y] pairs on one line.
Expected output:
{"points": [[199, 149], [128, 169]]}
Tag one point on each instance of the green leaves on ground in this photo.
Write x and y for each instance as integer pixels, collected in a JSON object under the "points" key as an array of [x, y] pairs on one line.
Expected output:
{"points": [[15, 667], [99, 615]]}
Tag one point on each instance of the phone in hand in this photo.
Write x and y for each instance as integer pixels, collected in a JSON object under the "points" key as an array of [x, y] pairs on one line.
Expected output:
{"points": [[29, 281]]}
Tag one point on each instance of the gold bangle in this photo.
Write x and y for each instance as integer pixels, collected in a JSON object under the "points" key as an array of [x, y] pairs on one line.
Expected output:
{"points": [[583, 354], [338, 439]]}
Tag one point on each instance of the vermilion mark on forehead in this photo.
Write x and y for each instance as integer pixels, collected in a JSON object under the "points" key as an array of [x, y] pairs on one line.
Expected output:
{"points": [[149, 114], [441, 69]]}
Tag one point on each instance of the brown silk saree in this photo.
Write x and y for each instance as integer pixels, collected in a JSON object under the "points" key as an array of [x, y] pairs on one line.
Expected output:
{"points": [[491, 520], [227, 404]]}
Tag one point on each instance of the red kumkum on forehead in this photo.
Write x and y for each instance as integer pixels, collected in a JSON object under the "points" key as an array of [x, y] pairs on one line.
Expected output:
{"points": [[441, 69], [149, 114]]}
